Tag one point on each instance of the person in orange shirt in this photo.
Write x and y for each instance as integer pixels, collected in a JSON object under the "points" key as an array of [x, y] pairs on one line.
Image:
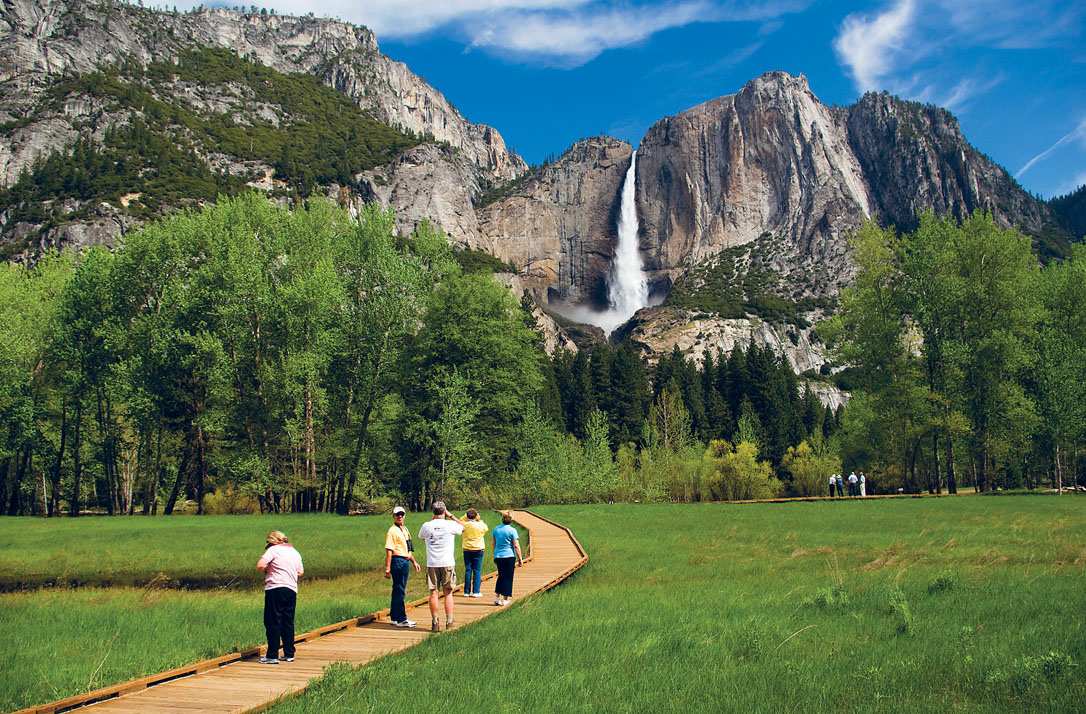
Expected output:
{"points": [[399, 557]]}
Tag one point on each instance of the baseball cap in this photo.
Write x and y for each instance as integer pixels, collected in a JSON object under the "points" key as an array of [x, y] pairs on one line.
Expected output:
{"points": [[397, 510]]}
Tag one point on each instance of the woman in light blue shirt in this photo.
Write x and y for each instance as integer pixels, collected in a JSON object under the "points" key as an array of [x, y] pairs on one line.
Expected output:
{"points": [[507, 556]]}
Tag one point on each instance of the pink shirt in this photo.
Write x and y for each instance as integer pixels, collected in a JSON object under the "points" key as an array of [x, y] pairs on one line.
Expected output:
{"points": [[282, 565]]}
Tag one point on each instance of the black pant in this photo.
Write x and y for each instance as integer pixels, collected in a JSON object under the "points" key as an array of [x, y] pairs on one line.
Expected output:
{"points": [[279, 620], [504, 586]]}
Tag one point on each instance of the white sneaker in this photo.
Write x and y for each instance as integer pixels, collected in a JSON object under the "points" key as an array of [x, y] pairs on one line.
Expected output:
{"points": [[506, 602], [406, 623], [476, 594], [498, 601]]}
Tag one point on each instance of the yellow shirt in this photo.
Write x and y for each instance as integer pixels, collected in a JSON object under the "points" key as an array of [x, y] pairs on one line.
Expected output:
{"points": [[396, 541], [473, 535]]}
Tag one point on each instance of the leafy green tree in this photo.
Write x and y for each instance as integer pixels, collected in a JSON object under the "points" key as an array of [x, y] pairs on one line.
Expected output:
{"points": [[473, 324]]}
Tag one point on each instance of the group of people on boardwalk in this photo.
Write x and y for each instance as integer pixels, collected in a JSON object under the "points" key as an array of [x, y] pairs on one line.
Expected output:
{"points": [[282, 566], [439, 534], [857, 485]]}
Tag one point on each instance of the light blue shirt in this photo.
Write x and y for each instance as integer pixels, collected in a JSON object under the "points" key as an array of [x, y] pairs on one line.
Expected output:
{"points": [[504, 535]]}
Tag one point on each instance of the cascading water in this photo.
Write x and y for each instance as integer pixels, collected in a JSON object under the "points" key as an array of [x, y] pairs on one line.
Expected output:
{"points": [[627, 285], [628, 288]]}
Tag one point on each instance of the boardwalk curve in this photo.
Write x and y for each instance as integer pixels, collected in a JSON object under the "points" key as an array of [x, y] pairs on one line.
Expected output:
{"points": [[237, 683]]}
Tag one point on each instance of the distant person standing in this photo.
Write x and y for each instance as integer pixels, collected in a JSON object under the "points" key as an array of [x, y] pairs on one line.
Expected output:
{"points": [[863, 485], [853, 485], [399, 557], [440, 536], [282, 566], [474, 546], [840, 486], [507, 556], [833, 482]]}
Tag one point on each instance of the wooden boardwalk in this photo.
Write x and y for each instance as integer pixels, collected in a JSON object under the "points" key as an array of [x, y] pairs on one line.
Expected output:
{"points": [[238, 683]]}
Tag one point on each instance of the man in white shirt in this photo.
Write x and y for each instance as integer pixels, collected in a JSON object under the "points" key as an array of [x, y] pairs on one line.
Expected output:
{"points": [[440, 536]]}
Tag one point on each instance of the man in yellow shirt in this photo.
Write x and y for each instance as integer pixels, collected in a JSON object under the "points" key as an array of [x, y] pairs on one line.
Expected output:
{"points": [[399, 556], [474, 545]]}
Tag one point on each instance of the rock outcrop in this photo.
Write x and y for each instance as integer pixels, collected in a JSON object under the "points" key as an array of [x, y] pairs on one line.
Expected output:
{"points": [[429, 182], [560, 225], [915, 159], [40, 40], [769, 159]]}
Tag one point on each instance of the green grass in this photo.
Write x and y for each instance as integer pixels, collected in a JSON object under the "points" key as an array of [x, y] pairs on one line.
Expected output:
{"points": [[64, 640], [919, 605]]}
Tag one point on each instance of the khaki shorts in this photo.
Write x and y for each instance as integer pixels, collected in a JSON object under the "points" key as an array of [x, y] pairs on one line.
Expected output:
{"points": [[441, 578]]}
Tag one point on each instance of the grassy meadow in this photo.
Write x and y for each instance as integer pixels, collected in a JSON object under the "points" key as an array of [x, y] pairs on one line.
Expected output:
{"points": [[135, 596], [970, 603]]}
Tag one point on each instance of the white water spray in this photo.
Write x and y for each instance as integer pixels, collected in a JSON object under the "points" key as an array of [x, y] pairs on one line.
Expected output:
{"points": [[628, 290], [627, 285]]}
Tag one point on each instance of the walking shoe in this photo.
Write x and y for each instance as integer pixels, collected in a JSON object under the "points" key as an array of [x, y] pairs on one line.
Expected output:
{"points": [[476, 594], [448, 624], [406, 623], [506, 602], [267, 660], [436, 626], [288, 659], [498, 601]]}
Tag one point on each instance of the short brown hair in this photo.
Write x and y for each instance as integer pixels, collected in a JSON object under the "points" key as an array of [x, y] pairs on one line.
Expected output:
{"points": [[507, 517], [473, 514]]}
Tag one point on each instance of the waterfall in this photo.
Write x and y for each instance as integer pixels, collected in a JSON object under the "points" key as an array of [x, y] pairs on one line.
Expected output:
{"points": [[627, 285], [627, 289]]}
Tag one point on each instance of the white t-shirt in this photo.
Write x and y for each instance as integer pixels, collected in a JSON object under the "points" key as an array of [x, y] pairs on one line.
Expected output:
{"points": [[282, 566], [852, 478], [440, 536]]}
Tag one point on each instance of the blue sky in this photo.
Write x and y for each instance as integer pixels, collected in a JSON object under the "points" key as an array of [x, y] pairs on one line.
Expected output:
{"points": [[548, 72]]}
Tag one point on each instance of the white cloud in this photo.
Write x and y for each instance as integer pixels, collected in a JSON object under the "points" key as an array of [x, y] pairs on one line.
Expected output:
{"points": [[870, 46], [1076, 134], [908, 47], [563, 32], [583, 34]]}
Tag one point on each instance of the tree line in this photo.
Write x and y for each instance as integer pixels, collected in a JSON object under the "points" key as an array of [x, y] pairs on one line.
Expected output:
{"points": [[246, 356], [969, 357]]}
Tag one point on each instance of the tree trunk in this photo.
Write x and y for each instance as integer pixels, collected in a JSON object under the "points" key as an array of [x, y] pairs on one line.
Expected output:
{"points": [[77, 467], [14, 500], [54, 499], [186, 457], [201, 469], [951, 481]]}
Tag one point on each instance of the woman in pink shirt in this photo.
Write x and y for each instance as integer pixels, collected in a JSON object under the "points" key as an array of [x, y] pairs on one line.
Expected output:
{"points": [[282, 566]]}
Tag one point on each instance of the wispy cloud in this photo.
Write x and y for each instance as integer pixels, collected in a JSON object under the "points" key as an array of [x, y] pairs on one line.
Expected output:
{"points": [[1076, 134], [870, 46], [909, 46], [560, 32], [583, 33]]}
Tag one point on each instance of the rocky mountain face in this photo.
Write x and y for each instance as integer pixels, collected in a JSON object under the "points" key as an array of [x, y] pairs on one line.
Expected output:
{"points": [[915, 159], [560, 224], [769, 159], [44, 41]]}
